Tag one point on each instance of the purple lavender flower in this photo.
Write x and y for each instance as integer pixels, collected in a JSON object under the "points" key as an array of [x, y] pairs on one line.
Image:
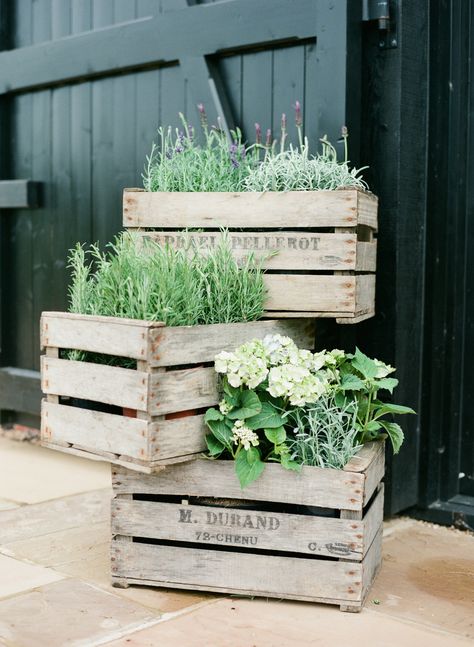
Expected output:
{"points": [[191, 132], [268, 139], [298, 117], [202, 115], [258, 133], [168, 155], [179, 148], [283, 122]]}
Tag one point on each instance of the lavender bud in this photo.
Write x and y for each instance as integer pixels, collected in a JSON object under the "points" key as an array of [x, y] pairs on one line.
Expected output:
{"points": [[191, 132], [344, 131], [202, 115], [268, 139], [258, 133], [298, 118], [283, 122]]}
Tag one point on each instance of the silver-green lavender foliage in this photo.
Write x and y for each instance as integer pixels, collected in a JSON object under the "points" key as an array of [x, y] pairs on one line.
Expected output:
{"points": [[139, 278], [324, 434], [180, 163]]}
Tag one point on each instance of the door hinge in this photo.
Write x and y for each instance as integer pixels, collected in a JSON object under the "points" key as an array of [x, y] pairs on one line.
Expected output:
{"points": [[383, 13]]}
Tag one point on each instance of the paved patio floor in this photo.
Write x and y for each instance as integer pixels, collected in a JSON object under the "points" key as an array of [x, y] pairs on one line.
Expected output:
{"points": [[55, 591]]}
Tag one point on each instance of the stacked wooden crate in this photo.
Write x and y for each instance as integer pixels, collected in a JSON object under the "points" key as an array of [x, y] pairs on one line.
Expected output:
{"points": [[181, 522]]}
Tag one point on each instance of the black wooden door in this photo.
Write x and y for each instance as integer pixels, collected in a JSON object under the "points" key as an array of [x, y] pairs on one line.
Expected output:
{"points": [[84, 85]]}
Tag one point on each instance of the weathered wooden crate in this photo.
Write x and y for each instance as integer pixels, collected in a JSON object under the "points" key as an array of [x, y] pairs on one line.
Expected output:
{"points": [[313, 536], [326, 260], [174, 374]]}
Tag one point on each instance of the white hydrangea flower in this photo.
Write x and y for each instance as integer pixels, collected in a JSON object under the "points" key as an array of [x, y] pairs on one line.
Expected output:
{"points": [[280, 350], [222, 361], [247, 365], [243, 435], [296, 383], [383, 369], [225, 407], [319, 360]]}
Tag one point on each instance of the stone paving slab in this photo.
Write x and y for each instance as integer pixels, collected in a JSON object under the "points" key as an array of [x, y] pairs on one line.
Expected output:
{"points": [[69, 612], [5, 504], [17, 576], [427, 576], [30, 474], [258, 623], [33, 521]]}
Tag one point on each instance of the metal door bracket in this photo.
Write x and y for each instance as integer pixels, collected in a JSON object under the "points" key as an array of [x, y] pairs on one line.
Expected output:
{"points": [[383, 13]]}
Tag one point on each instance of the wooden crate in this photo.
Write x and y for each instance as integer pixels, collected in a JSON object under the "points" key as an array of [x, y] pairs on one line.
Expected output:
{"points": [[326, 260], [174, 374], [191, 526]]}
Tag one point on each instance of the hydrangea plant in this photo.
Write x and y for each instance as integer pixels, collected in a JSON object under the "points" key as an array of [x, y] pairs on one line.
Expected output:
{"points": [[268, 384]]}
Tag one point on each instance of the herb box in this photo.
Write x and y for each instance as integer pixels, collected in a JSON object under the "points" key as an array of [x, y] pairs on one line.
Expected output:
{"points": [[174, 374], [313, 535], [326, 252]]}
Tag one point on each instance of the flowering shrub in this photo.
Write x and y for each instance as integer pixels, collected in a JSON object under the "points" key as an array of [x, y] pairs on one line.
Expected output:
{"points": [[279, 401]]}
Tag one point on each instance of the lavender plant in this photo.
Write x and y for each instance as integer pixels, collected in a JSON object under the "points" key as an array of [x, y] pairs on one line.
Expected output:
{"points": [[181, 163]]}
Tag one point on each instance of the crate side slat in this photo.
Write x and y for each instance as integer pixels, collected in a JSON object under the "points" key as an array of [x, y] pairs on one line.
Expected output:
{"points": [[101, 383], [371, 563], [365, 293], [188, 344], [94, 430], [268, 210], [110, 335], [374, 472], [373, 519], [367, 208], [366, 257], [237, 527], [312, 486], [174, 391], [292, 250], [310, 292], [179, 437], [364, 457], [246, 573]]}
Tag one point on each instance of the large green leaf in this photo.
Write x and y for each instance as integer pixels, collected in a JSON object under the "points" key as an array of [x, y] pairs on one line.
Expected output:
{"points": [[277, 436], [248, 466], [212, 414], [221, 432], [397, 409], [364, 365], [388, 383], [395, 434], [268, 418], [213, 445], [351, 382], [249, 406]]}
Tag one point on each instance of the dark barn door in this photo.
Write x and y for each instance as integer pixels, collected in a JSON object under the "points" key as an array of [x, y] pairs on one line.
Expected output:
{"points": [[84, 85]]}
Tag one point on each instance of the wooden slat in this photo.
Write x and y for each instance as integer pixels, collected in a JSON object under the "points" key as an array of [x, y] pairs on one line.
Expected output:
{"points": [[367, 205], [237, 527], [94, 430], [240, 573], [110, 335], [153, 41], [171, 439], [310, 292], [366, 257], [292, 250], [375, 472], [312, 486], [292, 209], [364, 458], [365, 293], [19, 194], [173, 391], [373, 519], [188, 344], [108, 384]]}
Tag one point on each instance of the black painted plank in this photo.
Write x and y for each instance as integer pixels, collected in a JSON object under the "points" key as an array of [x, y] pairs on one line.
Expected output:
{"points": [[17, 194], [20, 390], [153, 40]]}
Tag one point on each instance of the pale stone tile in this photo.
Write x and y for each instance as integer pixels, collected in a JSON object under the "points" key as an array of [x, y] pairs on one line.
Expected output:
{"points": [[5, 504], [17, 576], [427, 576], [34, 521], [69, 613], [260, 623], [29, 473]]}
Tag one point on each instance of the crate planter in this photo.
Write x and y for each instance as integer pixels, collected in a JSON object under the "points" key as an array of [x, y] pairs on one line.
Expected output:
{"points": [[313, 536], [174, 381], [326, 260]]}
